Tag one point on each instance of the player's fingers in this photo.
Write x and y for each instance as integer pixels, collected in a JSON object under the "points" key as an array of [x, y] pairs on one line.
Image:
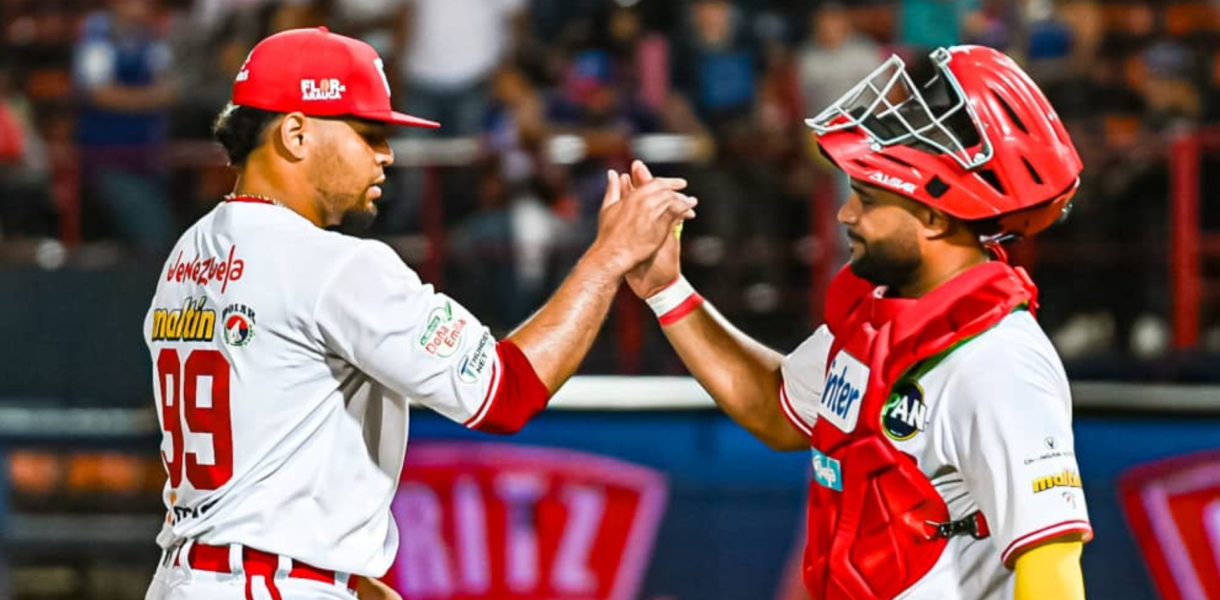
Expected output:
{"points": [[678, 205], [659, 190], [613, 189], [664, 183], [625, 184], [639, 172]]}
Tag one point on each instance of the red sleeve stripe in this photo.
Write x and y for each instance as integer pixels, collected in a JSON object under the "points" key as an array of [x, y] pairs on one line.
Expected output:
{"points": [[1046, 533], [492, 388], [790, 411]]}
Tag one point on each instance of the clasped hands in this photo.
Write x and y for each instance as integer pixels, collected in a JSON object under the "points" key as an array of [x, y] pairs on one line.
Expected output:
{"points": [[640, 225]]}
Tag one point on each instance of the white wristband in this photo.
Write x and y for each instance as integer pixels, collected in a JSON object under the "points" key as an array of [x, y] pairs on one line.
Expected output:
{"points": [[677, 300]]}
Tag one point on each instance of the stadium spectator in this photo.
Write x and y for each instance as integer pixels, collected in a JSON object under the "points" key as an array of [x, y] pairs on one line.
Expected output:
{"points": [[26, 209], [833, 59], [447, 52], [121, 67]]}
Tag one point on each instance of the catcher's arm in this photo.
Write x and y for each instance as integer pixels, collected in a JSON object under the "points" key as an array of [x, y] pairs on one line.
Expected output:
{"points": [[742, 375], [1051, 570], [373, 589]]}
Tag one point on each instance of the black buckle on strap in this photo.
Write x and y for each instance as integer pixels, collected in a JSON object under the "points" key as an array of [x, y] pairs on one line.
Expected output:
{"points": [[967, 525]]}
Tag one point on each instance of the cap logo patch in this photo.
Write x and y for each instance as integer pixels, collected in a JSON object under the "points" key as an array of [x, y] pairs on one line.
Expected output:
{"points": [[322, 89]]}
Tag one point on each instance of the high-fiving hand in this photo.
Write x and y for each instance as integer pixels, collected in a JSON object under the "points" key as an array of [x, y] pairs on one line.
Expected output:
{"points": [[637, 217], [664, 267]]}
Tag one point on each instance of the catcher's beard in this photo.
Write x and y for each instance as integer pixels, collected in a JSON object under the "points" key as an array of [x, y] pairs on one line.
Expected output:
{"points": [[891, 262]]}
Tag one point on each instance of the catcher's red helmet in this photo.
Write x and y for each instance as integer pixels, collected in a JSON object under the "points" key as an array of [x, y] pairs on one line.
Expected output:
{"points": [[978, 140]]}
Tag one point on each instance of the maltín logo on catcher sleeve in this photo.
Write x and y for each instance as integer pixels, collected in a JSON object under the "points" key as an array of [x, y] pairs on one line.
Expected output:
{"points": [[238, 320]]}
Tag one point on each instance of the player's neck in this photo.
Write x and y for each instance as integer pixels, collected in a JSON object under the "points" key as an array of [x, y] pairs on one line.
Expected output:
{"points": [[259, 179]]}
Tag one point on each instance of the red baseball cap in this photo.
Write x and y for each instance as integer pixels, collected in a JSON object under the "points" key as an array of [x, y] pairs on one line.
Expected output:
{"points": [[321, 74]]}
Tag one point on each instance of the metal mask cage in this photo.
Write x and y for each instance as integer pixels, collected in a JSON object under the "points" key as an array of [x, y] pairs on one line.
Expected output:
{"points": [[891, 109]]}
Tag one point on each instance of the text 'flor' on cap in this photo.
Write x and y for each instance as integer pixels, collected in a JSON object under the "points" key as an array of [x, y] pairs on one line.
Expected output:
{"points": [[318, 73]]}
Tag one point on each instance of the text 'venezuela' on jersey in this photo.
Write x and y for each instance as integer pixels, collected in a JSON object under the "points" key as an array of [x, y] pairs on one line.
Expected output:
{"points": [[282, 377]]}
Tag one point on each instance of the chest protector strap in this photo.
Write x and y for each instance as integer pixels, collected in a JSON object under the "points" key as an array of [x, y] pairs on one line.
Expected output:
{"points": [[887, 526]]}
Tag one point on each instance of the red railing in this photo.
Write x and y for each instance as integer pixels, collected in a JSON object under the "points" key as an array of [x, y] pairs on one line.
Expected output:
{"points": [[1189, 244]]}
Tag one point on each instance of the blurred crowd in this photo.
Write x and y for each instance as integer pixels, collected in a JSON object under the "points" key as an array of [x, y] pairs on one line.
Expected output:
{"points": [[106, 105]]}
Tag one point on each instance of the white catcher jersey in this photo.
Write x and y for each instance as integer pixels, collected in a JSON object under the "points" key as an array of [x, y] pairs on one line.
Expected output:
{"points": [[283, 357], [990, 424]]}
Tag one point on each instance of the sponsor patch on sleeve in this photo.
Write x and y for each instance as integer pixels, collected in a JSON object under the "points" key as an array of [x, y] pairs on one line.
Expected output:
{"points": [[474, 363], [1066, 478], [443, 329]]}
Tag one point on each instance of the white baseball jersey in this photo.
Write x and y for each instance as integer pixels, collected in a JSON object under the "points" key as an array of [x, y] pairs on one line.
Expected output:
{"points": [[990, 424], [283, 358]]}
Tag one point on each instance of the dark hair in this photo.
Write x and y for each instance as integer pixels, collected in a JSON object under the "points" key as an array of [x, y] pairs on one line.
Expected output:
{"points": [[240, 130]]}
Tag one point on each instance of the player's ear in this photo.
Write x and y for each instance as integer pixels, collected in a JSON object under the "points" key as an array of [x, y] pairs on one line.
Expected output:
{"points": [[290, 136], [935, 223]]}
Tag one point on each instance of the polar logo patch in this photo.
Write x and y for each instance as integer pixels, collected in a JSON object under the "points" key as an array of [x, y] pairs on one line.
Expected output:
{"points": [[846, 381]]}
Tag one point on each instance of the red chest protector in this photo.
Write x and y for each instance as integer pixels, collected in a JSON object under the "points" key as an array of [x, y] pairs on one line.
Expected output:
{"points": [[870, 507]]}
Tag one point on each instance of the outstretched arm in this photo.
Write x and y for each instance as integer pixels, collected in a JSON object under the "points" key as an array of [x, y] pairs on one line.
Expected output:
{"points": [[741, 374], [378, 315]]}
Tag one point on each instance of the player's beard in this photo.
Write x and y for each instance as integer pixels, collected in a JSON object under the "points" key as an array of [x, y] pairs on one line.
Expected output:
{"points": [[893, 262], [359, 218], [355, 210]]}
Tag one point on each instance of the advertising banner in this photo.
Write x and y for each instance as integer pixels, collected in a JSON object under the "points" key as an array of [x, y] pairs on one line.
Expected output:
{"points": [[484, 521], [1173, 506]]}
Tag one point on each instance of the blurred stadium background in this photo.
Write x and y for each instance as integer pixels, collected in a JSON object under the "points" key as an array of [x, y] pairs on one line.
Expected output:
{"points": [[105, 108]]}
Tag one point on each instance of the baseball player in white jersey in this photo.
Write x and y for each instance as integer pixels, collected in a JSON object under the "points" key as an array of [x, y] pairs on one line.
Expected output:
{"points": [[284, 354], [936, 412]]}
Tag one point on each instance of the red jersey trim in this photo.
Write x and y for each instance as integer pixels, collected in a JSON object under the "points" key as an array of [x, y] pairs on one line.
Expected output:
{"points": [[790, 411], [492, 389], [1034, 538], [514, 396], [250, 199]]}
